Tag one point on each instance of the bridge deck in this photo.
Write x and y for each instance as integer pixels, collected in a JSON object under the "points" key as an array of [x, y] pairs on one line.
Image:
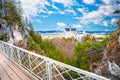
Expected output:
{"points": [[11, 71]]}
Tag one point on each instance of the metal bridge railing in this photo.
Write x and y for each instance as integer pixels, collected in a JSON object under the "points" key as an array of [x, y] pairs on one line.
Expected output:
{"points": [[45, 68]]}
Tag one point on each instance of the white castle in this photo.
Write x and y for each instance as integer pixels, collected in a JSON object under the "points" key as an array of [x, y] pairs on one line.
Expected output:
{"points": [[72, 32]]}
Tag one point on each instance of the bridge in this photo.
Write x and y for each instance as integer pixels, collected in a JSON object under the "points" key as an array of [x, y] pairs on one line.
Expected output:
{"points": [[19, 64]]}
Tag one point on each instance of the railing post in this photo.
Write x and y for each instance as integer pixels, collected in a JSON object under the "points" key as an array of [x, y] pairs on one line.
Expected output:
{"points": [[0, 45], [11, 53], [29, 56], [18, 54], [48, 70]]}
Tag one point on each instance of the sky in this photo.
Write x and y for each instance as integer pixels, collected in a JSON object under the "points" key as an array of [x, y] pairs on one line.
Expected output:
{"points": [[93, 15]]}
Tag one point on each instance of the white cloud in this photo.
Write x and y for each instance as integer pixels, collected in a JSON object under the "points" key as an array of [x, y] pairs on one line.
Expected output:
{"points": [[51, 12], [38, 20], [43, 16], [109, 1], [98, 16], [55, 7], [114, 21], [61, 24], [61, 12], [70, 11], [105, 23], [66, 3], [106, 30], [89, 1], [77, 26], [33, 7], [107, 10], [78, 18], [96, 21], [82, 10]]}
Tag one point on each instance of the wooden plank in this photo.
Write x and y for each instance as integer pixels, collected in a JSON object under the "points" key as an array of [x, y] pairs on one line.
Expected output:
{"points": [[3, 74], [16, 69], [9, 71]]}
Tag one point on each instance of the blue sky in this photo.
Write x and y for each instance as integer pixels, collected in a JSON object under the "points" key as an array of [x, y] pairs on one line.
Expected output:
{"points": [[94, 15]]}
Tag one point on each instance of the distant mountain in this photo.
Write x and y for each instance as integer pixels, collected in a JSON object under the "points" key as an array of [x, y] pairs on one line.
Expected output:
{"points": [[51, 31], [89, 32]]}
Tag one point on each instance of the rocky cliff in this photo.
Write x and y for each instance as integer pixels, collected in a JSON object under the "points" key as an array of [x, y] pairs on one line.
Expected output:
{"points": [[112, 55], [110, 66], [12, 28], [13, 34]]}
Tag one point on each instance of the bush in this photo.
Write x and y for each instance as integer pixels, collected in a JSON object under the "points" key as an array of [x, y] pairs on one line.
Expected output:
{"points": [[0, 26], [89, 51], [85, 53], [0, 14], [36, 37], [34, 47], [4, 37], [31, 45], [113, 36], [14, 16], [51, 50]]}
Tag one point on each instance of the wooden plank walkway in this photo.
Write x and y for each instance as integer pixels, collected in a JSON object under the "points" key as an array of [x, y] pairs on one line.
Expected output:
{"points": [[11, 71]]}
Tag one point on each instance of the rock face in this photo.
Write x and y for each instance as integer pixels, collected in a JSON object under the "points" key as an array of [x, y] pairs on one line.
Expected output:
{"points": [[12, 28], [110, 66], [14, 33], [112, 55]]}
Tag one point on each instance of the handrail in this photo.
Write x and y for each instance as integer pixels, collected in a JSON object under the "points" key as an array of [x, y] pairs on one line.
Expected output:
{"points": [[45, 68]]}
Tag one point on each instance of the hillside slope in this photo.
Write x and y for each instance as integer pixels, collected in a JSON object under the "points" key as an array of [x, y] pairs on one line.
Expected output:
{"points": [[65, 45]]}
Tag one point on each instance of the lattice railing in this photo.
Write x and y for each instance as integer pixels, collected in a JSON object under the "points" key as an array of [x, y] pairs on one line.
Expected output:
{"points": [[43, 67]]}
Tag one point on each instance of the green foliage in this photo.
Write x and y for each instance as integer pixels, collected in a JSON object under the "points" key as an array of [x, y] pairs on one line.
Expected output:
{"points": [[86, 53], [11, 14], [0, 14], [4, 37], [116, 12], [31, 26], [31, 45], [67, 77], [1, 10], [83, 52], [89, 51], [113, 36], [36, 37], [51, 50], [96, 46], [105, 41], [34, 47], [87, 38], [0, 26], [69, 39]]}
